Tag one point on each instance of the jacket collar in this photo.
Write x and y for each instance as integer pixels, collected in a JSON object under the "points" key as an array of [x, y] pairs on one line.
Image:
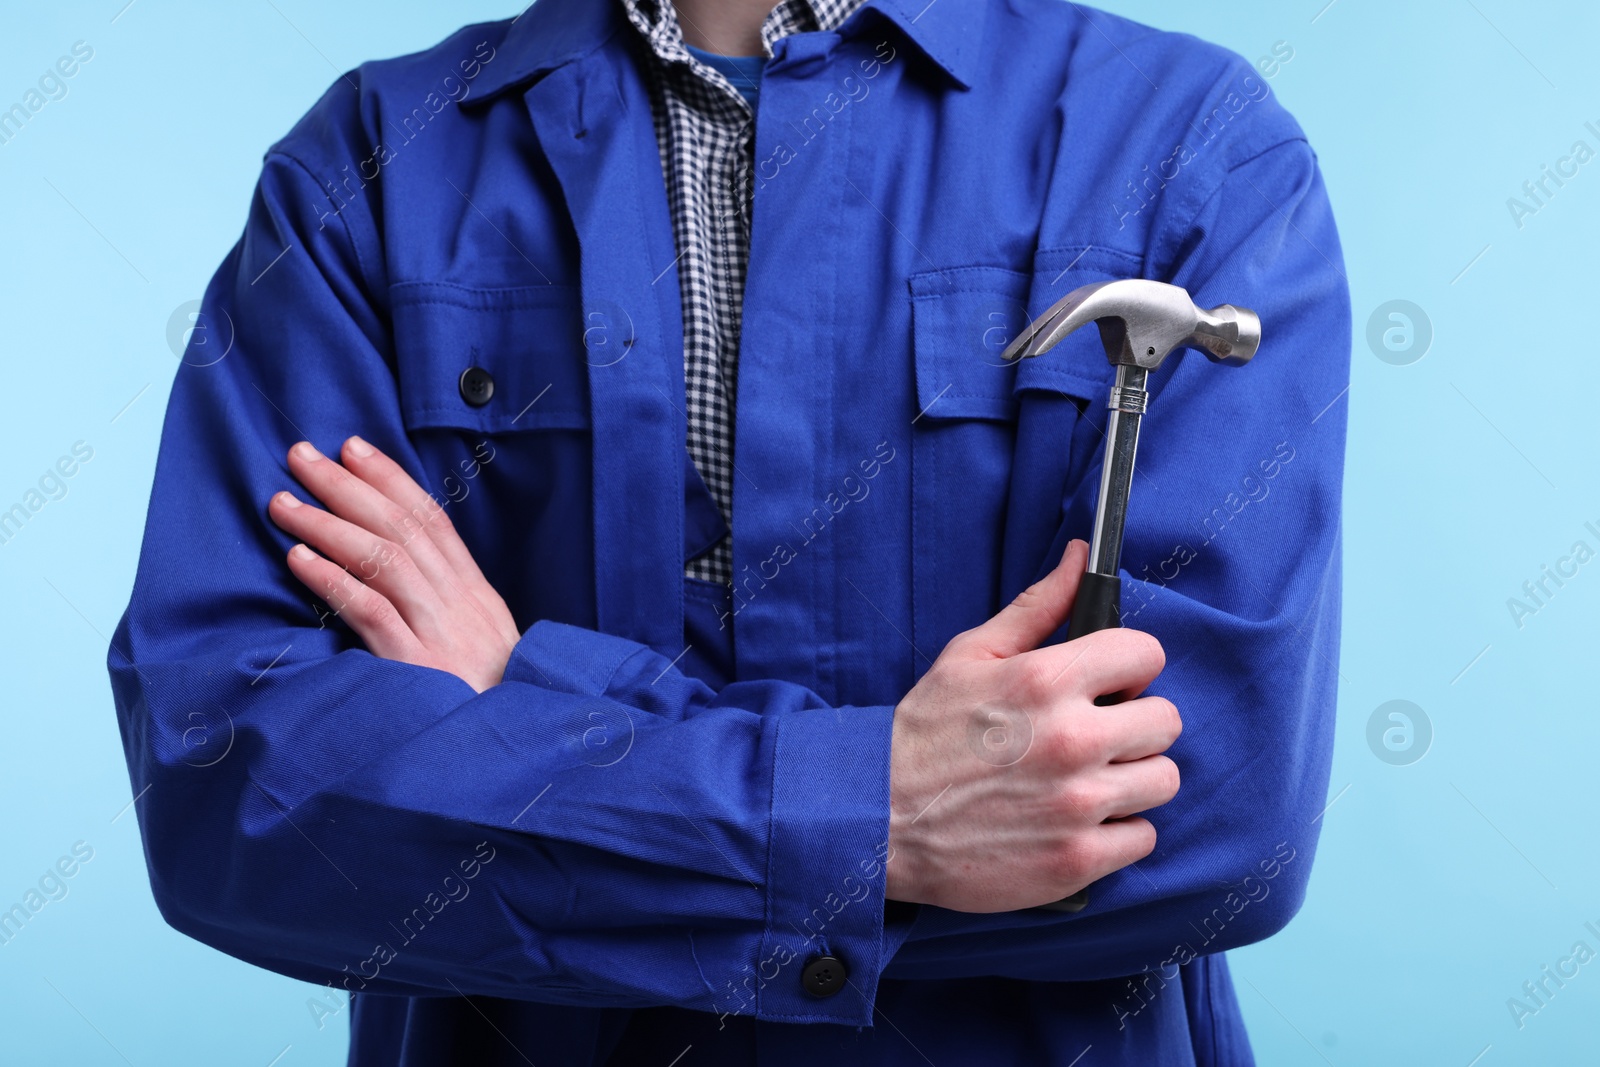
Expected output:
{"points": [[547, 35], [948, 33], [552, 33]]}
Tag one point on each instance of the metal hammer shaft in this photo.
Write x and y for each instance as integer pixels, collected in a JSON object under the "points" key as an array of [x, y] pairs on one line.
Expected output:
{"points": [[1098, 604]]}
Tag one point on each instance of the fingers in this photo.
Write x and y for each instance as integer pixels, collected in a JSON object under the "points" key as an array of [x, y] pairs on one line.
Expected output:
{"points": [[1037, 612], [377, 496], [1114, 661], [1112, 846], [411, 516], [374, 561], [422, 512], [370, 615], [1139, 728], [359, 503], [1085, 736], [1130, 788]]}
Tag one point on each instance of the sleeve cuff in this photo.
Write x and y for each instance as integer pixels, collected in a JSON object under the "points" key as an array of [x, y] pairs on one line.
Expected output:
{"points": [[824, 942], [826, 877]]}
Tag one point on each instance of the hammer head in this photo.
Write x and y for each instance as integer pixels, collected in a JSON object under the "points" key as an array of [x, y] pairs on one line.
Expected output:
{"points": [[1141, 321]]}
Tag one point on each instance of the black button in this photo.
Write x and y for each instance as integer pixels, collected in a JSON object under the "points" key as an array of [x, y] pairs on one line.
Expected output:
{"points": [[824, 976], [477, 386]]}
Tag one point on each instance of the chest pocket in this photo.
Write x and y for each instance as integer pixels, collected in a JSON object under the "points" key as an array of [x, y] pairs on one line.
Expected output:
{"points": [[491, 360], [494, 395], [998, 449]]}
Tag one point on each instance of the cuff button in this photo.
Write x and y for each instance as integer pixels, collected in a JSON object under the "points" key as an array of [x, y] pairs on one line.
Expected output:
{"points": [[824, 976], [476, 385]]}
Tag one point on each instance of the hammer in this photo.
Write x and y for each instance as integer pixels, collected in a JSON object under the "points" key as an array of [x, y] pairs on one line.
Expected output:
{"points": [[1140, 322]]}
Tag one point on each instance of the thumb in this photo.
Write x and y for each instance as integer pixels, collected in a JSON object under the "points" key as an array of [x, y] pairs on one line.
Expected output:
{"points": [[1037, 611]]}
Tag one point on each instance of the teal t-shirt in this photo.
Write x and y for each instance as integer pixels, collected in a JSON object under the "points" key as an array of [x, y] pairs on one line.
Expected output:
{"points": [[742, 72]]}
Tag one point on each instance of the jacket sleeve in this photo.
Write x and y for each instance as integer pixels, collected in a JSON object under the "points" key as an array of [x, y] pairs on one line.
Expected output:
{"points": [[1232, 559], [599, 829]]}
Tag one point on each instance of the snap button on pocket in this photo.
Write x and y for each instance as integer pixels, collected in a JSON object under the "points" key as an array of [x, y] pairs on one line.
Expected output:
{"points": [[477, 386]]}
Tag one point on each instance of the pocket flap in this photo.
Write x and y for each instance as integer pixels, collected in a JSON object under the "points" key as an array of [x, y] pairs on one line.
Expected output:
{"points": [[962, 319], [1077, 365], [529, 341]]}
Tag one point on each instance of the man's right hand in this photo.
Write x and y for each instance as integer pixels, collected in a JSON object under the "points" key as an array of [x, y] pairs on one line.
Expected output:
{"points": [[1009, 787]]}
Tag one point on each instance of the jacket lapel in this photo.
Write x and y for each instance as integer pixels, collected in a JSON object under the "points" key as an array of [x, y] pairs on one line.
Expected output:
{"points": [[592, 117]]}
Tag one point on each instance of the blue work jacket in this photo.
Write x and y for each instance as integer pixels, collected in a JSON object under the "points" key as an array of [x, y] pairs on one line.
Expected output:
{"points": [[677, 800]]}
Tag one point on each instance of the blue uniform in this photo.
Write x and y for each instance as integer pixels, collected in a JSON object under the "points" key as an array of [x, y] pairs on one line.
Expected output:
{"points": [[677, 799]]}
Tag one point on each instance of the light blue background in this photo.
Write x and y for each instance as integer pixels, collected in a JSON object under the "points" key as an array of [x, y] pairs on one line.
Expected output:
{"points": [[1441, 887]]}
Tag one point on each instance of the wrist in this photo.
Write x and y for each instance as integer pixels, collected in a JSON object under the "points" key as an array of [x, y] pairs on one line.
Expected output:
{"points": [[904, 879]]}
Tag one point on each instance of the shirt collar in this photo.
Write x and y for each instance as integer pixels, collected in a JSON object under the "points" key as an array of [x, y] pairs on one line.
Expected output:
{"points": [[659, 23], [551, 33]]}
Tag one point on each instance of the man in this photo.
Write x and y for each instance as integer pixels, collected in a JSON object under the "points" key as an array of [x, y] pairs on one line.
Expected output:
{"points": [[607, 604]]}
